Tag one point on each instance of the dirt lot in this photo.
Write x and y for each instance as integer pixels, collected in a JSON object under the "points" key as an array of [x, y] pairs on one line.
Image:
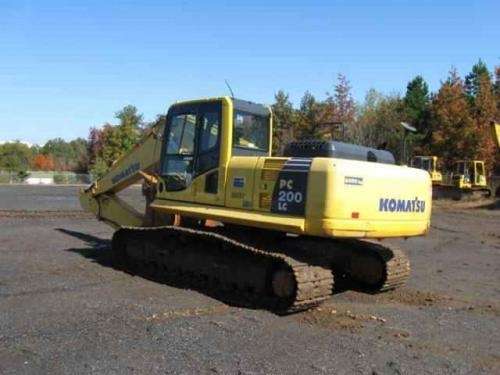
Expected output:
{"points": [[64, 309]]}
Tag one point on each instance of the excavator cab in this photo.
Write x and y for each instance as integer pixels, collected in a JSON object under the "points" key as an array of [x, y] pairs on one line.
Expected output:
{"points": [[469, 174], [429, 164], [201, 137]]}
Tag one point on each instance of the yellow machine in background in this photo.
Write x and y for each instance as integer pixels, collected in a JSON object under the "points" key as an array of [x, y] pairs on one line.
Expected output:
{"points": [[495, 177], [212, 161], [466, 179], [495, 129], [470, 175], [429, 164]]}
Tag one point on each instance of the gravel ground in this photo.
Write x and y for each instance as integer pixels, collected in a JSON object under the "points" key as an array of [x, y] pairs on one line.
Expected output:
{"points": [[64, 309]]}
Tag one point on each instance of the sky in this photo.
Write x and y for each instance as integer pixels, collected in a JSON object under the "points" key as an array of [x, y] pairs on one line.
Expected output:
{"points": [[66, 66]]}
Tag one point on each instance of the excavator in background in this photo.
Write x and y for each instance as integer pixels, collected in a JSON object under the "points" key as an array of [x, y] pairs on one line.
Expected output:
{"points": [[495, 178], [223, 215], [495, 130], [429, 164], [469, 177], [466, 180]]}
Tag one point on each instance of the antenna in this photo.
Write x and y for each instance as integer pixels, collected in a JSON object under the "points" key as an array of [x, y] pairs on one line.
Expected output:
{"points": [[230, 89]]}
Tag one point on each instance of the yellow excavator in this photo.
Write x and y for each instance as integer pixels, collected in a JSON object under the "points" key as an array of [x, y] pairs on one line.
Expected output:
{"points": [[495, 178], [467, 179], [429, 164], [469, 176], [495, 129], [223, 215]]}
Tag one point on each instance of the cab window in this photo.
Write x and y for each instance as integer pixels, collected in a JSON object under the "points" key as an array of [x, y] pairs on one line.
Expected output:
{"points": [[250, 133], [178, 159], [209, 131], [208, 155], [480, 169], [426, 165], [181, 137]]}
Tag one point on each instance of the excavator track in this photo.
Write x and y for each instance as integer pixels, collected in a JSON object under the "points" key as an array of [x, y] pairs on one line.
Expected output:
{"points": [[211, 260], [391, 264], [276, 272], [365, 265]]}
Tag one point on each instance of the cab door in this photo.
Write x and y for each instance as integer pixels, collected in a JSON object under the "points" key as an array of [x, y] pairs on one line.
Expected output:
{"points": [[179, 151], [208, 181], [191, 154]]}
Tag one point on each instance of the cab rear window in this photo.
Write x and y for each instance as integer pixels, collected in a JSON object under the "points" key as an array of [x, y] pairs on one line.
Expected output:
{"points": [[251, 131]]}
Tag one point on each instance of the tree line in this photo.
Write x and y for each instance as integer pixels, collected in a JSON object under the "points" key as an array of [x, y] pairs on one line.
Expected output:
{"points": [[452, 123], [55, 155]]}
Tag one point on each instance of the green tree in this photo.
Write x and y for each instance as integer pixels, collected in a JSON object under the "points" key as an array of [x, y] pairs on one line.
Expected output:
{"points": [[417, 111], [416, 103], [15, 157], [61, 152], [99, 168], [309, 118], [473, 79], [80, 160], [284, 118], [129, 129], [111, 142], [378, 123]]}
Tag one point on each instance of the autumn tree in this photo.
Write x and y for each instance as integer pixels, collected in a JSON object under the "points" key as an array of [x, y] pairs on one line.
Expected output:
{"points": [[338, 110], [453, 133], [483, 111], [497, 92], [283, 122], [43, 162], [67, 156]]}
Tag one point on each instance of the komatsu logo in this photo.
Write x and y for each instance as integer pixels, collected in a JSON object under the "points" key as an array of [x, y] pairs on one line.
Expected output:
{"points": [[401, 205], [130, 170]]}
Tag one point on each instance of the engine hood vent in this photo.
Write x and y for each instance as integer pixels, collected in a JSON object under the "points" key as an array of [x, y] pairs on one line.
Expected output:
{"points": [[334, 149]]}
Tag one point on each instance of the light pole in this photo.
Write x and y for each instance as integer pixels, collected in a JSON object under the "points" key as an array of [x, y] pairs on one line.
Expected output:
{"points": [[407, 128]]}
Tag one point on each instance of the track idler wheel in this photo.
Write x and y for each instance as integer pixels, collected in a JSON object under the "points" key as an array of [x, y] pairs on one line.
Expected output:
{"points": [[374, 267], [368, 270], [284, 284]]}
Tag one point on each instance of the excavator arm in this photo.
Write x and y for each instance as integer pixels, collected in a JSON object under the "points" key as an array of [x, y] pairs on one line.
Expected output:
{"points": [[141, 162]]}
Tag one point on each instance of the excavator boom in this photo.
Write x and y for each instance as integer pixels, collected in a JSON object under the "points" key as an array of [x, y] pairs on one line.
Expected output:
{"points": [[140, 163]]}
